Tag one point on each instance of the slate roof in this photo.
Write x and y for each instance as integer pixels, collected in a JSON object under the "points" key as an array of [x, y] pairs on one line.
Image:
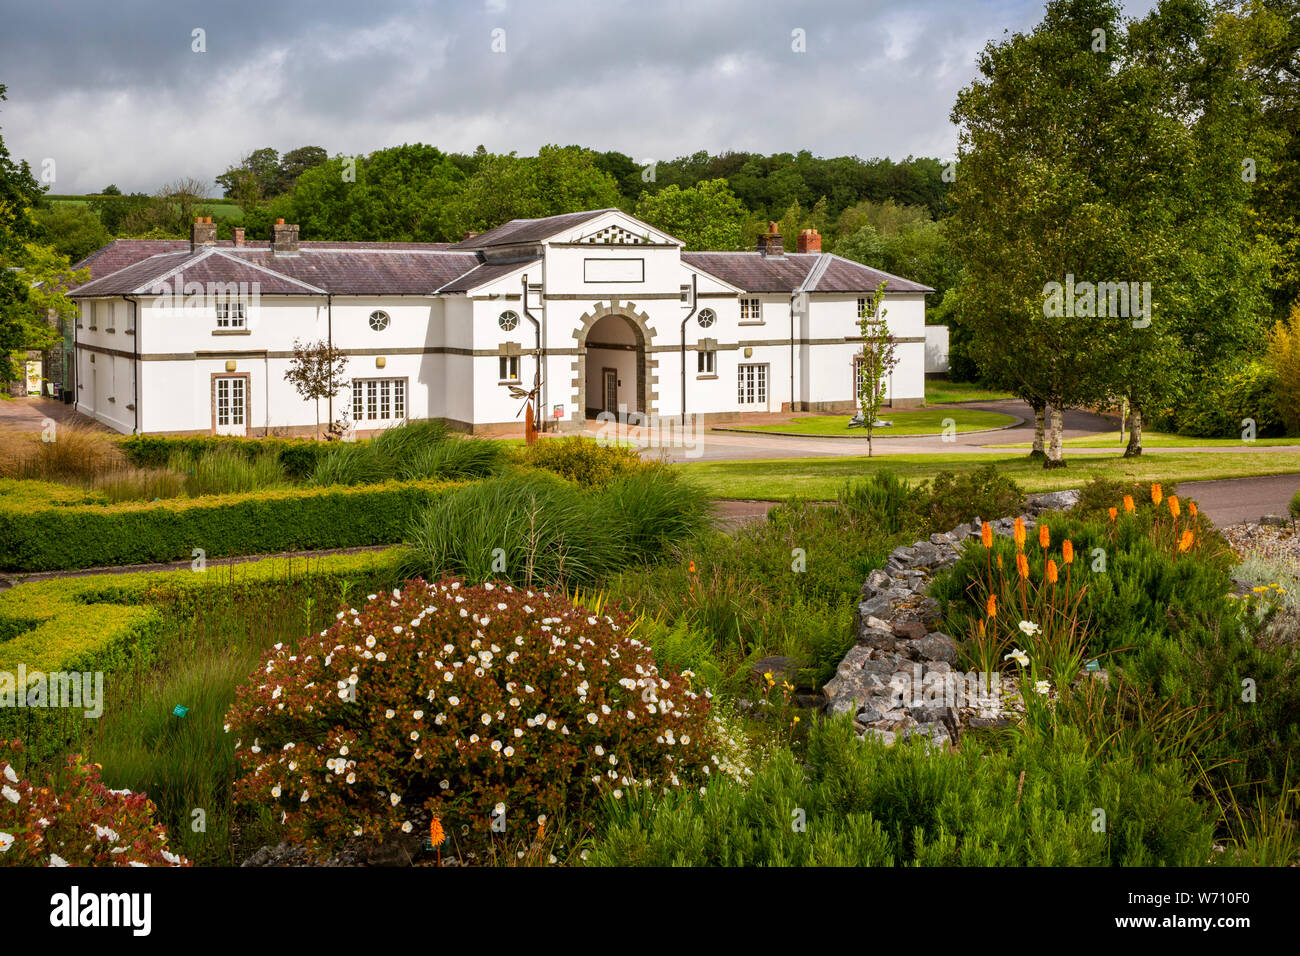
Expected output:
{"points": [[134, 266], [754, 272], [487, 272], [528, 230]]}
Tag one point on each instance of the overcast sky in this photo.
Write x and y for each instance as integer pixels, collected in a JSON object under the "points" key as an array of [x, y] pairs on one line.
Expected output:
{"points": [[114, 92]]}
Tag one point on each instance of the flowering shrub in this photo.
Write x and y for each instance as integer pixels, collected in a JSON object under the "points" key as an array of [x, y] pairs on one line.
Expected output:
{"points": [[77, 823], [471, 704]]}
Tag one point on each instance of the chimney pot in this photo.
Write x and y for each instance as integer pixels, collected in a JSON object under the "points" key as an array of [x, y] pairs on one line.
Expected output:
{"points": [[810, 240], [769, 243], [202, 234], [239, 236], [284, 238]]}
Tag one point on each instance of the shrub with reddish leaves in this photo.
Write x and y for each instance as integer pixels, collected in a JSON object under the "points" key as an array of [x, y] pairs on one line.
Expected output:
{"points": [[460, 702], [79, 822]]}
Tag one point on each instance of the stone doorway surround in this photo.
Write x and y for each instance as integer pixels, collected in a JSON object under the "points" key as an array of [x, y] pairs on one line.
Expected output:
{"points": [[647, 366]]}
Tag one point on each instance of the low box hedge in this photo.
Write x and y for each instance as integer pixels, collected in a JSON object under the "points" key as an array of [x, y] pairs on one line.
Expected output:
{"points": [[109, 623], [298, 456], [46, 534]]}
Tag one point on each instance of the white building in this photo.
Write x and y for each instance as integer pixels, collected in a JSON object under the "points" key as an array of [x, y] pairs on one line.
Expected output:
{"points": [[195, 337]]}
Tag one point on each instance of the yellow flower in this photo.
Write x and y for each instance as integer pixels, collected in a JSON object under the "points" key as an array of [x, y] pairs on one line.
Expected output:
{"points": [[1128, 504], [1044, 537], [1051, 571], [1157, 494], [1067, 550], [1020, 533]]}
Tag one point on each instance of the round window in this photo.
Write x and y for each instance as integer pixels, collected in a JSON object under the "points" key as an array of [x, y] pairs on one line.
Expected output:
{"points": [[379, 321], [707, 317], [508, 321]]}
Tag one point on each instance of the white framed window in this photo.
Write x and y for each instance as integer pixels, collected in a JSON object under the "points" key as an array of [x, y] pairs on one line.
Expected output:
{"points": [[508, 367], [508, 321], [706, 318], [706, 362], [379, 320], [751, 309], [686, 293], [231, 314], [862, 307], [751, 384], [378, 399]]}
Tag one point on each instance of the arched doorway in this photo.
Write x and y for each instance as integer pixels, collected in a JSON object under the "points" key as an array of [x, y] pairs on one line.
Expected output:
{"points": [[615, 356], [615, 371]]}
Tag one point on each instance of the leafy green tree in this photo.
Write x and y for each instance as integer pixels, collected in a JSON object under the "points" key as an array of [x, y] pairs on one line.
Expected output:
{"points": [[863, 245], [706, 216], [396, 194], [878, 358], [72, 229], [21, 326], [558, 179]]}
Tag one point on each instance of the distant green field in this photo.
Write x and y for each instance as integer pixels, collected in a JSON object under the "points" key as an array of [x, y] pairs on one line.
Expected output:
{"points": [[217, 208]]}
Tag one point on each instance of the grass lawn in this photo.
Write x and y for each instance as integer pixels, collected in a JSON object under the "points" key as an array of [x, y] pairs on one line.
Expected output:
{"points": [[938, 391], [1164, 440], [822, 478], [924, 421]]}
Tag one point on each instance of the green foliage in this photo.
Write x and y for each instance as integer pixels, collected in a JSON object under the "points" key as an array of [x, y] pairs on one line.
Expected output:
{"points": [[59, 537], [297, 457], [539, 530], [119, 624], [72, 230], [227, 470], [863, 804], [421, 448], [932, 506], [1218, 405], [590, 464], [463, 703], [703, 216]]}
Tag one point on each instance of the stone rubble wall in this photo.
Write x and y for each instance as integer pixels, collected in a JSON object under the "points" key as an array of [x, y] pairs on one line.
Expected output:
{"points": [[898, 640]]}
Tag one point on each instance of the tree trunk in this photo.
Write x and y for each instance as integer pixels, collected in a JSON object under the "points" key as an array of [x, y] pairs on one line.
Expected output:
{"points": [[1040, 426], [1134, 447], [1056, 426]]}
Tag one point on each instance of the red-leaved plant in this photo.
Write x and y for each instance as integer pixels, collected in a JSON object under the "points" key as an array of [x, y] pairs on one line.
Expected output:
{"points": [[467, 703], [78, 822]]}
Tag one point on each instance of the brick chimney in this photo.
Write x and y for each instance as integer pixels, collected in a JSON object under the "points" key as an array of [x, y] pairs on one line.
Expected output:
{"points": [[239, 236], [202, 233], [810, 240], [769, 243], [284, 238]]}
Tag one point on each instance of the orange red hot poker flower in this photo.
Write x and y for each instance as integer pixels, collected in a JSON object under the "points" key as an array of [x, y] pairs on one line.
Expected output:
{"points": [[1051, 571], [1067, 550], [1157, 494], [1020, 534], [1128, 504], [1044, 537], [991, 607], [986, 534], [1173, 506]]}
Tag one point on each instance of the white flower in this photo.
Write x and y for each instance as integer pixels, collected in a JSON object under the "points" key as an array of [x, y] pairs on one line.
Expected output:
{"points": [[1019, 656], [1042, 687], [454, 701], [56, 860], [275, 791], [305, 797], [592, 718], [394, 799], [417, 714], [9, 793], [510, 751], [1029, 629], [6, 841], [406, 827]]}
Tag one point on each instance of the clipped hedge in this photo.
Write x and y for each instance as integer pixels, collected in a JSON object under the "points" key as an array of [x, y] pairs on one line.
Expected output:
{"points": [[297, 456], [40, 535], [110, 623]]}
